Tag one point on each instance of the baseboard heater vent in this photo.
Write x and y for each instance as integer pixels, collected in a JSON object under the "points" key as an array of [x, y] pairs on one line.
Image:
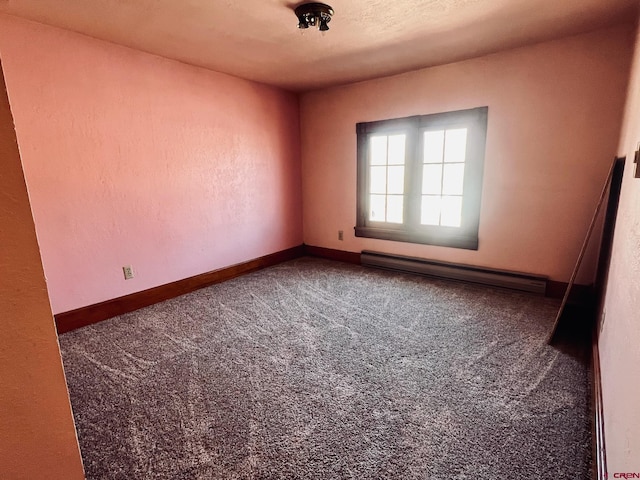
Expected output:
{"points": [[453, 271]]}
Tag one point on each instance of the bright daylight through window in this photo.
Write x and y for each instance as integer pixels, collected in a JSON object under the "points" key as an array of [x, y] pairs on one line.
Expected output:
{"points": [[420, 178]]}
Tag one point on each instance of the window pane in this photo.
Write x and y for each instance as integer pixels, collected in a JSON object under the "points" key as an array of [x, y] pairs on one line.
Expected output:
{"points": [[432, 179], [453, 179], [394, 208], [430, 213], [455, 145], [378, 149], [377, 211], [396, 180], [433, 146], [451, 211], [396, 149], [378, 180]]}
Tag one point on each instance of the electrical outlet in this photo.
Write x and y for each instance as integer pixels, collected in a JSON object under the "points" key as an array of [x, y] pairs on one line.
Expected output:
{"points": [[340, 235], [128, 272]]}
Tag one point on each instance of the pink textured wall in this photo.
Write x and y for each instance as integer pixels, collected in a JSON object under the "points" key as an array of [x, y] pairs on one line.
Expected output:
{"points": [[619, 341], [555, 112], [135, 159], [37, 435]]}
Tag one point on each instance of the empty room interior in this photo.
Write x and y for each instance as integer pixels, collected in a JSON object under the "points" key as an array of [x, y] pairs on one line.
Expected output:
{"points": [[368, 240]]}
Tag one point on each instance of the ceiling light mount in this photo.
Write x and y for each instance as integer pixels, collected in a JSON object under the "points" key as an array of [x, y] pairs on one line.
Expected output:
{"points": [[314, 15]]}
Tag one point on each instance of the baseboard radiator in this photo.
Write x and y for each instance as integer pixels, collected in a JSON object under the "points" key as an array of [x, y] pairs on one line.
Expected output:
{"points": [[453, 271]]}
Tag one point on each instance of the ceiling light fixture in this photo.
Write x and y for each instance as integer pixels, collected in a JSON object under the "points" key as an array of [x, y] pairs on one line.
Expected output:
{"points": [[314, 15]]}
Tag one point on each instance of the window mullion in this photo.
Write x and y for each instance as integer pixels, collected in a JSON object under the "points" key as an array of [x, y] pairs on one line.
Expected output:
{"points": [[363, 177], [413, 176]]}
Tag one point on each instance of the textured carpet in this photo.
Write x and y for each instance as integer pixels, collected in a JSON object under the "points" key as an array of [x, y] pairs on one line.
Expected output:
{"points": [[320, 370]]}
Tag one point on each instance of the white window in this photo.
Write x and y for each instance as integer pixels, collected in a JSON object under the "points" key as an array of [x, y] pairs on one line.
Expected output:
{"points": [[420, 178]]}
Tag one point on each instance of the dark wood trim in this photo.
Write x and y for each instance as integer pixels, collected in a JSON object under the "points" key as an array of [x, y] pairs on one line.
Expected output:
{"points": [[606, 242], [583, 250], [331, 254], [88, 315], [599, 451]]}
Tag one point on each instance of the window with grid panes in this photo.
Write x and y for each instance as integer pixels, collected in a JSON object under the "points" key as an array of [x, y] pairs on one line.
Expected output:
{"points": [[420, 178]]}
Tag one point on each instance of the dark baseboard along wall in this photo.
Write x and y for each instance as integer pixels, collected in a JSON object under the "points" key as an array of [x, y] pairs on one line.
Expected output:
{"points": [[331, 254], [90, 314], [599, 451]]}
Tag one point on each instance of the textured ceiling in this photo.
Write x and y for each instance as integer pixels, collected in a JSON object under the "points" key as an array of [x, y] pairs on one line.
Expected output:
{"points": [[259, 40]]}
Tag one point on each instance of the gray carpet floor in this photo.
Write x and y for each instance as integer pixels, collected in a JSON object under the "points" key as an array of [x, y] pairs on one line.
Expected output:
{"points": [[320, 370]]}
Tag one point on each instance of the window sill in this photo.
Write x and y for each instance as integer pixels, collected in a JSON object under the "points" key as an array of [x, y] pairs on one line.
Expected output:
{"points": [[440, 238]]}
